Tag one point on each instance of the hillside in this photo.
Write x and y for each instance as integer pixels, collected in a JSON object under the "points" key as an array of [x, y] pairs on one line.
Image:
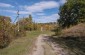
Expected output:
{"points": [[75, 31], [72, 39]]}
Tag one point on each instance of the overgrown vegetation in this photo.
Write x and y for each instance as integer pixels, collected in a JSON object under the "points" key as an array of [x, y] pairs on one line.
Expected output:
{"points": [[10, 31], [4, 31]]}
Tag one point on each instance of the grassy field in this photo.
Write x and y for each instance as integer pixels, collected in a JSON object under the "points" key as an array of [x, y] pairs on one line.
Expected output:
{"points": [[23, 45]]}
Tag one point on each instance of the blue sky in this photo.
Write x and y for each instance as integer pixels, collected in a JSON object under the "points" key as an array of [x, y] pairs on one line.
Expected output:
{"points": [[42, 11]]}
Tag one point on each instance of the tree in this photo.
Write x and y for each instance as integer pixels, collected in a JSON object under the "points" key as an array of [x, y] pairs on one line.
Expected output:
{"points": [[4, 31], [26, 23], [72, 13]]}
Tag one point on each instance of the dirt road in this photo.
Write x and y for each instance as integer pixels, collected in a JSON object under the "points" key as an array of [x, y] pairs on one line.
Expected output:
{"points": [[45, 47], [39, 50]]}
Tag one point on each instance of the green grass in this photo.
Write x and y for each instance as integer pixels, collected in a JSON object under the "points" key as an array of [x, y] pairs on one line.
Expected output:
{"points": [[23, 45]]}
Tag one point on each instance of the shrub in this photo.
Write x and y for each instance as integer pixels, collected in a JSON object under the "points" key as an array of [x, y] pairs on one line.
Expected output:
{"points": [[4, 40]]}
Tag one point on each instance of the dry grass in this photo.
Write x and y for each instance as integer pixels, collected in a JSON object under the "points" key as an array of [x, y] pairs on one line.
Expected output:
{"points": [[75, 31], [73, 39]]}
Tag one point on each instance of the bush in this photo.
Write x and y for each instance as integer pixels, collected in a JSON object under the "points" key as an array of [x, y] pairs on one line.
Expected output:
{"points": [[20, 33], [4, 33], [57, 31], [4, 40]]}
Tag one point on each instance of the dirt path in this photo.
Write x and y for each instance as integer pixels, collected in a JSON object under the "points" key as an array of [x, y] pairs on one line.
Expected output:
{"points": [[39, 50], [44, 47]]}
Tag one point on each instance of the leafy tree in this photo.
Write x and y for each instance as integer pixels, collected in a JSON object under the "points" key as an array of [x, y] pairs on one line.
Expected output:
{"points": [[4, 31], [72, 13], [26, 23]]}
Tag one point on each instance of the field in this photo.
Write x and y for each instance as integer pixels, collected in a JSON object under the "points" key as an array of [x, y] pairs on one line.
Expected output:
{"points": [[23, 45]]}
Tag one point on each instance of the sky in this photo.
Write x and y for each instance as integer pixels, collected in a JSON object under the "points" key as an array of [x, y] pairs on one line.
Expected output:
{"points": [[42, 11]]}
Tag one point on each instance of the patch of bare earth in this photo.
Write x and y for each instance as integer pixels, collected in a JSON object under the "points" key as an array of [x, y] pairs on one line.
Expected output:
{"points": [[45, 46]]}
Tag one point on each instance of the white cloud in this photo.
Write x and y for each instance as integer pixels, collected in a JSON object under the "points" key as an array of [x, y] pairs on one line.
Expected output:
{"points": [[41, 6], [40, 14], [25, 12], [37, 8], [5, 5], [15, 12], [50, 18], [11, 11]]}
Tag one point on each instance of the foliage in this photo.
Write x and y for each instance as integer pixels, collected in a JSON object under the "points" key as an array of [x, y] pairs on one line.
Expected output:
{"points": [[10, 31], [26, 24], [46, 26], [57, 30], [4, 31], [72, 13]]}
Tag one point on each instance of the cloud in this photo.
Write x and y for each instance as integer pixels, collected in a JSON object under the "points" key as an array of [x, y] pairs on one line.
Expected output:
{"points": [[41, 6], [50, 18], [11, 11], [40, 14], [15, 12], [37, 8], [5, 5], [25, 12]]}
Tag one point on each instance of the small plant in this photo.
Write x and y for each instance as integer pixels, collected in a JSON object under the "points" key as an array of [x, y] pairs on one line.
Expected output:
{"points": [[58, 31]]}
